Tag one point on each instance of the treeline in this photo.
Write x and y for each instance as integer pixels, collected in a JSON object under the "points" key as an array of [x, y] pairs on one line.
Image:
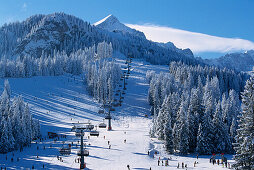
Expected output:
{"points": [[55, 65], [17, 127], [195, 108], [101, 72]]}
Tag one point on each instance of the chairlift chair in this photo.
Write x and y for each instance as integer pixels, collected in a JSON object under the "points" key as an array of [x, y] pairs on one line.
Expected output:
{"points": [[117, 94], [108, 117], [89, 127], [78, 134], [101, 111], [73, 128], [65, 151], [86, 153], [94, 133], [102, 125]]}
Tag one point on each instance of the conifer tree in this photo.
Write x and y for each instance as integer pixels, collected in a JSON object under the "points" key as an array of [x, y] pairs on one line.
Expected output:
{"points": [[244, 146]]}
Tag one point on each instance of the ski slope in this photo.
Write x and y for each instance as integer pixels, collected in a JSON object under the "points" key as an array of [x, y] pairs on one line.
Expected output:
{"points": [[60, 101]]}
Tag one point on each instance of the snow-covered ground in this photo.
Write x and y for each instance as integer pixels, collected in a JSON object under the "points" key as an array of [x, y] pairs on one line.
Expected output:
{"points": [[60, 101]]}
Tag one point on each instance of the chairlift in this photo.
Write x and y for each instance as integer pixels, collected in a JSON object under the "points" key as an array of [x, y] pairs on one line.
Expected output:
{"points": [[94, 133], [117, 94], [78, 134], [102, 125], [101, 111], [120, 85], [89, 127], [123, 92], [121, 79], [85, 153], [121, 97], [65, 151], [73, 128], [108, 117]]}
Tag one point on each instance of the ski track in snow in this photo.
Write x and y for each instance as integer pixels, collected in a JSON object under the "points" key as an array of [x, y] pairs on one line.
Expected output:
{"points": [[54, 100]]}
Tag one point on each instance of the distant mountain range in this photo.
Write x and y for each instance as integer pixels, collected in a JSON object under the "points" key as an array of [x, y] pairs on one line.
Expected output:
{"points": [[236, 61], [45, 34]]}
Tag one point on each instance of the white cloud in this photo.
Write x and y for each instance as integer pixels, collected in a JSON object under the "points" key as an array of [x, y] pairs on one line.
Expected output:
{"points": [[24, 7], [197, 42]]}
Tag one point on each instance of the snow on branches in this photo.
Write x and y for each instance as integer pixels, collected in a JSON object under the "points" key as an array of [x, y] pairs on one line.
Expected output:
{"points": [[17, 127]]}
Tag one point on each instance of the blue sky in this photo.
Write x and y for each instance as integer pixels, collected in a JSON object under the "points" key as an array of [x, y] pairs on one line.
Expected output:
{"points": [[222, 18]]}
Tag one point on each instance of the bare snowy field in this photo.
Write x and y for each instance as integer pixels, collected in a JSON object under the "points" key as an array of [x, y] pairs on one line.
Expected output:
{"points": [[60, 101]]}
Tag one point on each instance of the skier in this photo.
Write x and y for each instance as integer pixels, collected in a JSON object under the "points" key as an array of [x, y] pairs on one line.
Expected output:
{"points": [[124, 140], [108, 142], [148, 153], [197, 156], [128, 166], [109, 146], [178, 165], [158, 162], [218, 162], [43, 166], [182, 165]]}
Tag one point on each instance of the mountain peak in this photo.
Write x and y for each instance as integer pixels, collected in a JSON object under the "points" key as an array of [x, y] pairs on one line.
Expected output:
{"points": [[112, 24], [108, 19]]}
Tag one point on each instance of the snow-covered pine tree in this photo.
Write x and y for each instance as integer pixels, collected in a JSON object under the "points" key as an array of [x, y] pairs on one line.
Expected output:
{"points": [[6, 141], [222, 141], [168, 135], [244, 146]]}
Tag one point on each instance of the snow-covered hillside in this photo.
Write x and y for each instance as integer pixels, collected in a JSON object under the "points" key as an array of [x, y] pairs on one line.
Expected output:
{"points": [[60, 101]]}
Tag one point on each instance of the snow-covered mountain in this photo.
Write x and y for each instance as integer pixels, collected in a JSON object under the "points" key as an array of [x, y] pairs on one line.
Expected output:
{"points": [[112, 24], [237, 61], [45, 34]]}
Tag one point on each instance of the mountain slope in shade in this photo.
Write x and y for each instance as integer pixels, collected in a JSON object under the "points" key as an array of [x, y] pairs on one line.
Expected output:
{"points": [[237, 61], [112, 24]]}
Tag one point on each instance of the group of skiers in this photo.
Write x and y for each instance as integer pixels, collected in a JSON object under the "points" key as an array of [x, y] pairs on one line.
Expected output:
{"points": [[224, 162], [161, 162]]}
